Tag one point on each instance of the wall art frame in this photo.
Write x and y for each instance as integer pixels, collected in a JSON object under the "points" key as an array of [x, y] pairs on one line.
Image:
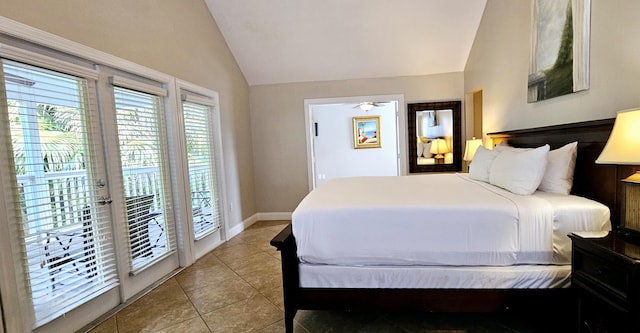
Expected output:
{"points": [[559, 54], [366, 132]]}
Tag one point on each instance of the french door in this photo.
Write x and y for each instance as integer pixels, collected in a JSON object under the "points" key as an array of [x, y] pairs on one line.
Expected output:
{"points": [[60, 227], [87, 186], [141, 181], [101, 168], [199, 118]]}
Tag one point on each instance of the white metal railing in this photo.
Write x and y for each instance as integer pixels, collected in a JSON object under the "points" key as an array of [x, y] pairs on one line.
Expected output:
{"points": [[143, 181], [69, 191]]}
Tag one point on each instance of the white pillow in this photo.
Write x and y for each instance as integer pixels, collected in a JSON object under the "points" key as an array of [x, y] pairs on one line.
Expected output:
{"points": [[427, 149], [519, 171], [558, 177], [502, 147], [481, 164], [420, 147]]}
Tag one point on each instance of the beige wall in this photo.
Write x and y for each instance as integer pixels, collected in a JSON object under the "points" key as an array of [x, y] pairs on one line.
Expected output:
{"points": [[157, 34], [498, 64], [179, 38], [278, 127]]}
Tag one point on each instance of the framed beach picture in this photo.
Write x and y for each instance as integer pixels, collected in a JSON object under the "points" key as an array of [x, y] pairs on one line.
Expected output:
{"points": [[366, 132], [559, 55]]}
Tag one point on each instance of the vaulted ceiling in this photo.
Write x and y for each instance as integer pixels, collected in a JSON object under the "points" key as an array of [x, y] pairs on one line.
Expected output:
{"points": [[282, 41]]}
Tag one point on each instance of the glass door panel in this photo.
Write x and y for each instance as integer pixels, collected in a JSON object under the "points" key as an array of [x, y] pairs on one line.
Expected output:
{"points": [[205, 203], [149, 220], [58, 188]]}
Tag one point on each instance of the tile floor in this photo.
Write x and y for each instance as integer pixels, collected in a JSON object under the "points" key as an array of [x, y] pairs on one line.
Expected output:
{"points": [[238, 288]]}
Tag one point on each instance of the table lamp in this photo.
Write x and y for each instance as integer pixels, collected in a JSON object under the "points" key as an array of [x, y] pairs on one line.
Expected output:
{"points": [[439, 148], [470, 149], [623, 148]]}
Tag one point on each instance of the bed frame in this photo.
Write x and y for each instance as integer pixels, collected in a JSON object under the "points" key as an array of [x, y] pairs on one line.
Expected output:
{"points": [[598, 182]]}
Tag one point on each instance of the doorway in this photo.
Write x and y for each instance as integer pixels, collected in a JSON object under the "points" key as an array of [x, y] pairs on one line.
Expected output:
{"points": [[332, 149], [473, 119]]}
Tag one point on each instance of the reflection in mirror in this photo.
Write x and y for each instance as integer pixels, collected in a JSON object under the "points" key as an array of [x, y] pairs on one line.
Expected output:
{"points": [[434, 136], [434, 133]]}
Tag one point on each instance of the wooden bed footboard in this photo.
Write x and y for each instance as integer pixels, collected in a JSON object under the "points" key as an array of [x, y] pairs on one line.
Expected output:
{"points": [[424, 300], [286, 244]]}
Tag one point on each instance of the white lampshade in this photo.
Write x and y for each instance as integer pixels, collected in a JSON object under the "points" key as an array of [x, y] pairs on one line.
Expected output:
{"points": [[623, 146], [439, 147], [470, 148]]}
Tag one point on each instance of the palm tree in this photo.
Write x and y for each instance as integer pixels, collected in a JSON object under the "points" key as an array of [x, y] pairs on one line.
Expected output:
{"points": [[60, 137]]}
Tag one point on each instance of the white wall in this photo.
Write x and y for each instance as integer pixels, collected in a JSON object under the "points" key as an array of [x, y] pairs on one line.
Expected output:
{"points": [[443, 127], [278, 127], [334, 152], [499, 63]]}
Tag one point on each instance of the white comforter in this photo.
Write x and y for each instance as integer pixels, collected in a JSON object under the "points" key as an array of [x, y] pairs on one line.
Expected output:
{"points": [[437, 219]]}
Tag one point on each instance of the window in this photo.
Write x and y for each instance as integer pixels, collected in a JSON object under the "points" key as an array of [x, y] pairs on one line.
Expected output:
{"points": [[64, 230], [88, 209], [145, 177], [199, 126]]}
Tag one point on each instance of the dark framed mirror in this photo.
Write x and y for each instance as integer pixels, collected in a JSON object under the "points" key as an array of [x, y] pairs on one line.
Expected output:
{"points": [[435, 136]]}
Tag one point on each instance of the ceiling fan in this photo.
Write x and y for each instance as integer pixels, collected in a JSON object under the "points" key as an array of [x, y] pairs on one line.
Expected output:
{"points": [[366, 106]]}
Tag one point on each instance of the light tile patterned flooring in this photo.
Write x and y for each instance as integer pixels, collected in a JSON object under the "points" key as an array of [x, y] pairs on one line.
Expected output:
{"points": [[238, 288]]}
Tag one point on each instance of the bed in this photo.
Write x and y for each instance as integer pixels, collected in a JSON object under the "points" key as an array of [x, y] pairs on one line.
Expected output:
{"points": [[332, 258]]}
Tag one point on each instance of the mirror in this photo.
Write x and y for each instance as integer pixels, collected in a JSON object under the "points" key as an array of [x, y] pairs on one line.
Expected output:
{"points": [[435, 142]]}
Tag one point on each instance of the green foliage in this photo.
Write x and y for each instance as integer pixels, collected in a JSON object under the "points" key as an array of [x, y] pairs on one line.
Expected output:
{"points": [[138, 143], [560, 75], [60, 136]]}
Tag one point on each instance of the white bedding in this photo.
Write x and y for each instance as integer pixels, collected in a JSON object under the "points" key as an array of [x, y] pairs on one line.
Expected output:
{"points": [[437, 220], [435, 277]]}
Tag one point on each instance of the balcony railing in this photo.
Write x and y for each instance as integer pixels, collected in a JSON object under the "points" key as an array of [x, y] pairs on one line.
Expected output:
{"points": [[70, 192]]}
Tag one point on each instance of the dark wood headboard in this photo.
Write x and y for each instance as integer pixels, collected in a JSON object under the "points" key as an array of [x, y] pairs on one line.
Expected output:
{"points": [[595, 181]]}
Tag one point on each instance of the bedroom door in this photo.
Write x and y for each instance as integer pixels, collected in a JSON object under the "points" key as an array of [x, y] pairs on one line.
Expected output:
{"points": [[334, 154]]}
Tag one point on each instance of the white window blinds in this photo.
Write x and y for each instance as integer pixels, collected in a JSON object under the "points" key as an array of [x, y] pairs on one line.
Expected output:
{"points": [[148, 212], [199, 129], [63, 231]]}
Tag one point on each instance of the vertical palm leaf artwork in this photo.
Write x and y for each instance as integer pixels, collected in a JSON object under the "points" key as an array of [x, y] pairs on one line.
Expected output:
{"points": [[559, 48]]}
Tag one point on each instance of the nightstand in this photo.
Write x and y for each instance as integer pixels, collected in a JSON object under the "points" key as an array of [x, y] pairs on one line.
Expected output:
{"points": [[605, 271]]}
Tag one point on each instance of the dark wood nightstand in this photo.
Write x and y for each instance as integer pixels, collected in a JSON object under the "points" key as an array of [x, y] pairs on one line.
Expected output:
{"points": [[605, 271]]}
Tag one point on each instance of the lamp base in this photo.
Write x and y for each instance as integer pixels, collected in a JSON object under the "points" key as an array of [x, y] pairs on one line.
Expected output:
{"points": [[630, 208], [629, 235], [635, 178]]}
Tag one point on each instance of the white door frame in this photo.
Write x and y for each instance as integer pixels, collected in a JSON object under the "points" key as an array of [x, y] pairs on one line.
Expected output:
{"points": [[401, 124]]}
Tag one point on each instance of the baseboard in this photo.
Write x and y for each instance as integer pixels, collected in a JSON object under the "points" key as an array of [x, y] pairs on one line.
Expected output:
{"points": [[273, 216], [240, 227]]}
